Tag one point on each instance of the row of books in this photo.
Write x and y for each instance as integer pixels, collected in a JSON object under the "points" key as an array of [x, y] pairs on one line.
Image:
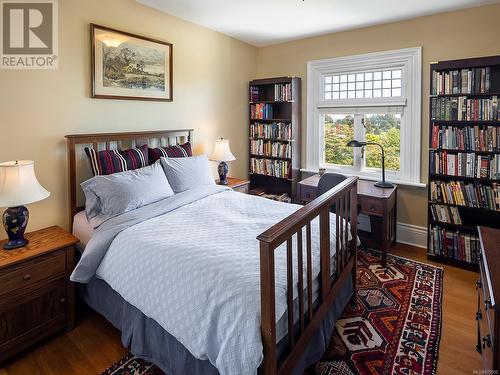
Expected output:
{"points": [[462, 109], [269, 148], [466, 194], [453, 244], [445, 214], [283, 92], [276, 197], [254, 94], [464, 81], [276, 130], [261, 111], [465, 164], [473, 138], [276, 168]]}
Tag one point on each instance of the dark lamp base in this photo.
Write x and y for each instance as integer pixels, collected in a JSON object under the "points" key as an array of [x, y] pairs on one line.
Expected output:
{"points": [[382, 184], [222, 169], [11, 245], [15, 220]]}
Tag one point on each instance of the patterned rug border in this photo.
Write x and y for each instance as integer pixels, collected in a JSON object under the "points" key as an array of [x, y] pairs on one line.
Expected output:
{"points": [[440, 292]]}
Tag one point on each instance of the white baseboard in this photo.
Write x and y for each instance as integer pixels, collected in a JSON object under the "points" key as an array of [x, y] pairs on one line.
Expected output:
{"points": [[411, 235]]}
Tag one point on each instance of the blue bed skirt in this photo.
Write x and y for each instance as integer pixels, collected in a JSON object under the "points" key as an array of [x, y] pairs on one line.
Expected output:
{"points": [[147, 339]]}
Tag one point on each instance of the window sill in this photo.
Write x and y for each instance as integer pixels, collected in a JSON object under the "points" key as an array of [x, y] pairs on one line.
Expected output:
{"points": [[370, 178]]}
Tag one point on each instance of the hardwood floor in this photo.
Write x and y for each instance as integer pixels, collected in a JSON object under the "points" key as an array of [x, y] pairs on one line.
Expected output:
{"points": [[95, 344]]}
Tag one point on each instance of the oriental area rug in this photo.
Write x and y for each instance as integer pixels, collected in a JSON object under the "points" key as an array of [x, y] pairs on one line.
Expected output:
{"points": [[394, 329]]}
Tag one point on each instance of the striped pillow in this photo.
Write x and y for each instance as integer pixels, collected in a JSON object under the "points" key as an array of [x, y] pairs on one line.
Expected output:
{"points": [[177, 151], [113, 161]]}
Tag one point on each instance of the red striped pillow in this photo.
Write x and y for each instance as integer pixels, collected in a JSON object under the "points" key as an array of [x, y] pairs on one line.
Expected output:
{"points": [[177, 151], [113, 161]]}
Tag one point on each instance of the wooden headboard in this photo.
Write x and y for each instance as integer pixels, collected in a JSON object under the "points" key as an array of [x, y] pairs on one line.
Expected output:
{"points": [[110, 141]]}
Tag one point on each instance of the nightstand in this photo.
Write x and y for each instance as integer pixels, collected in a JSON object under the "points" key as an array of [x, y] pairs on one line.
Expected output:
{"points": [[241, 186], [36, 297]]}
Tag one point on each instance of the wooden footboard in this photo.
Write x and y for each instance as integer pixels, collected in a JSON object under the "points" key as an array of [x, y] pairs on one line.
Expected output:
{"points": [[311, 314]]}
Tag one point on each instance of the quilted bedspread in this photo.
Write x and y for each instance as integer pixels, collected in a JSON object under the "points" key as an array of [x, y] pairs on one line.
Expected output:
{"points": [[191, 263]]}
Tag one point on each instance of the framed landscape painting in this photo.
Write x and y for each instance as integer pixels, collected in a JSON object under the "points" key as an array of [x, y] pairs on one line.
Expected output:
{"points": [[128, 66]]}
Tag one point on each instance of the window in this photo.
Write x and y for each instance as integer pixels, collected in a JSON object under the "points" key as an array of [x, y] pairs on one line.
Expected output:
{"points": [[374, 98], [376, 84], [338, 130]]}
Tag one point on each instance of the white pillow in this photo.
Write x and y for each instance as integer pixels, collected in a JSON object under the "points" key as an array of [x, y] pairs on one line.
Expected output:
{"points": [[110, 195], [187, 173]]}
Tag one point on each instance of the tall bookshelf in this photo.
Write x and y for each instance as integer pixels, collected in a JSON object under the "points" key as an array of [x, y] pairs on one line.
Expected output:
{"points": [[464, 157], [274, 136]]}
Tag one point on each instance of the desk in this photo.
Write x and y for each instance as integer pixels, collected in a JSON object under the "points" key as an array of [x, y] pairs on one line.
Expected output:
{"points": [[378, 203]]}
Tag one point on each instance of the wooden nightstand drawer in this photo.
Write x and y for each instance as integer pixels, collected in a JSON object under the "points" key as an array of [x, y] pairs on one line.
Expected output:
{"points": [[241, 189], [371, 206], [31, 272], [36, 297], [36, 313], [237, 184]]}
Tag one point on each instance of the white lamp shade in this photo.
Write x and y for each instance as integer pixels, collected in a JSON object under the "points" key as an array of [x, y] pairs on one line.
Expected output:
{"points": [[18, 184], [222, 152]]}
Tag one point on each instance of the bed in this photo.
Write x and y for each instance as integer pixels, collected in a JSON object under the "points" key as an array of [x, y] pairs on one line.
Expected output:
{"points": [[256, 286]]}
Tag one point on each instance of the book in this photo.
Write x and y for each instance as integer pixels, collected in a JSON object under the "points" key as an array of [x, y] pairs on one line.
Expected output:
{"points": [[465, 164], [267, 167], [270, 148], [254, 94], [261, 111], [275, 131], [283, 92], [462, 108], [453, 244], [464, 81], [445, 214]]}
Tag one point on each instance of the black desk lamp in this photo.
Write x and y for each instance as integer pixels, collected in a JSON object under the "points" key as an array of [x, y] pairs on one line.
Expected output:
{"points": [[380, 184]]}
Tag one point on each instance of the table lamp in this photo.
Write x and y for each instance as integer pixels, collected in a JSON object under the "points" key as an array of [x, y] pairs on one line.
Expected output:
{"points": [[18, 186], [222, 153], [380, 184]]}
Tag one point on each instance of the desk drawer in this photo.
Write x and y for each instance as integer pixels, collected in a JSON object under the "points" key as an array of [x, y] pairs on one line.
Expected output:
{"points": [[31, 272], [307, 193], [371, 206]]}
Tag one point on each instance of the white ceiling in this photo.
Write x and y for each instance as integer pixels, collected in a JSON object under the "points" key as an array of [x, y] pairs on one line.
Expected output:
{"points": [[266, 22]]}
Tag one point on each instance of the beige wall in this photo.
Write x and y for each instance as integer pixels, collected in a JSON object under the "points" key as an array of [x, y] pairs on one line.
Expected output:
{"points": [[461, 34], [37, 108], [211, 73]]}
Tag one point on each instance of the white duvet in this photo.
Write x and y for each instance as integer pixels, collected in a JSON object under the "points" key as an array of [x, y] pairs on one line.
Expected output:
{"points": [[195, 271]]}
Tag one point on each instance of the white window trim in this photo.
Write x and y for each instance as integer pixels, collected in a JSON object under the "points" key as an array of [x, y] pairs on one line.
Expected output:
{"points": [[410, 60]]}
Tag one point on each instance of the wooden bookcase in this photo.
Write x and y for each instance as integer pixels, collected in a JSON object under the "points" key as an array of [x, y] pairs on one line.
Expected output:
{"points": [[464, 133], [274, 135]]}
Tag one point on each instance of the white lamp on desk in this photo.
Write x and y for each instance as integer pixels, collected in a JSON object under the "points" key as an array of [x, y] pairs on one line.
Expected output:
{"points": [[18, 186]]}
